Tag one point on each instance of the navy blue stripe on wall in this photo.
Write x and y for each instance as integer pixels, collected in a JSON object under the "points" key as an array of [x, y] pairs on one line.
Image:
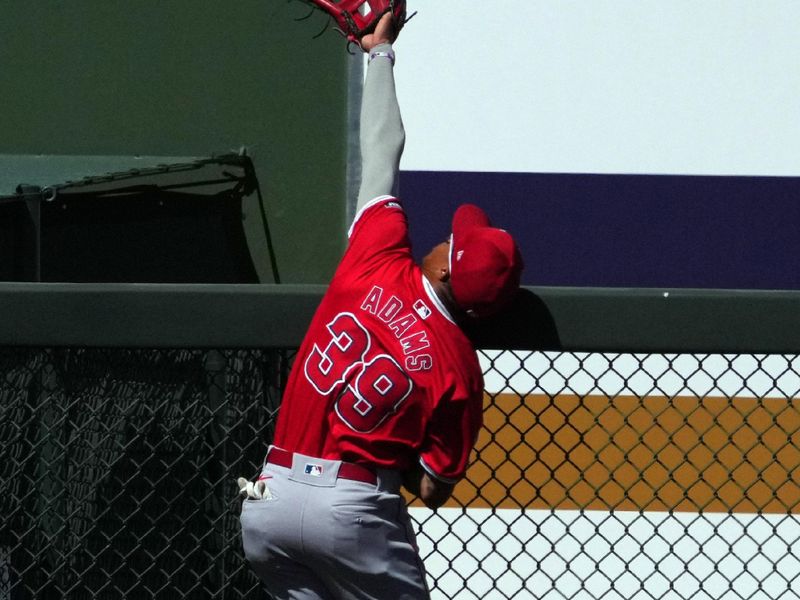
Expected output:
{"points": [[669, 231]]}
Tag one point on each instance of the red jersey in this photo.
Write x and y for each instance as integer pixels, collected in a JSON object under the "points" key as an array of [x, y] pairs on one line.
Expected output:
{"points": [[384, 375]]}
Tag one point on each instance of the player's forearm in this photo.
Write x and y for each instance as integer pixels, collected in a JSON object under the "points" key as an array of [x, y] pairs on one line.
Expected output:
{"points": [[382, 132]]}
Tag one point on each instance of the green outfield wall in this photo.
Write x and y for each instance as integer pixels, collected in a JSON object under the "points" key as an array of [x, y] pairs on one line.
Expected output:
{"points": [[107, 83]]}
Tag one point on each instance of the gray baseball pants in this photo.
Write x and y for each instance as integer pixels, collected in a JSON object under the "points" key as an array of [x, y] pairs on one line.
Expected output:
{"points": [[324, 537]]}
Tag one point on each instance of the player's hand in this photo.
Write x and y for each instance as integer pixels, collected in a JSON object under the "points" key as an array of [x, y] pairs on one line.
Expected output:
{"points": [[384, 34], [432, 492], [257, 490]]}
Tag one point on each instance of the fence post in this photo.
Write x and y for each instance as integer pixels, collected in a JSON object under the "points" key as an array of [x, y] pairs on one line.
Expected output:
{"points": [[215, 365]]}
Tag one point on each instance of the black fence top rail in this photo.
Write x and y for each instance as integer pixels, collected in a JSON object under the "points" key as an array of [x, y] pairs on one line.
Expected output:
{"points": [[268, 315]]}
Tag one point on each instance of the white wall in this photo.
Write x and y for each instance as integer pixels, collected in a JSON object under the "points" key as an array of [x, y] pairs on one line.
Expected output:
{"points": [[602, 86]]}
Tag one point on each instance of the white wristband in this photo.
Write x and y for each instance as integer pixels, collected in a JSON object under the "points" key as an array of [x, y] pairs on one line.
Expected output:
{"points": [[382, 53]]}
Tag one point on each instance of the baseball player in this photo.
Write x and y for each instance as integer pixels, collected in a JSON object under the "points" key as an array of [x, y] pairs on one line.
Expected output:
{"points": [[386, 389]]}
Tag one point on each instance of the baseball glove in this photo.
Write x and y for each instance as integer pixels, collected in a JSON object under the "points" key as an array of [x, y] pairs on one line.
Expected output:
{"points": [[357, 18]]}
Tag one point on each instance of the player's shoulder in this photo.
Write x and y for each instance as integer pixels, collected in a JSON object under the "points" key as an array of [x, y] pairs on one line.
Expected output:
{"points": [[457, 350], [374, 207]]}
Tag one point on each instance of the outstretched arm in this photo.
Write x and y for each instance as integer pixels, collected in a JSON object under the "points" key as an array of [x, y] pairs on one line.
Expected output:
{"points": [[382, 133]]}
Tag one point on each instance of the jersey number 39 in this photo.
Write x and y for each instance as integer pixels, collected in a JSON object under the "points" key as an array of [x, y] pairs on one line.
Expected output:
{"points": [[367, 390]]}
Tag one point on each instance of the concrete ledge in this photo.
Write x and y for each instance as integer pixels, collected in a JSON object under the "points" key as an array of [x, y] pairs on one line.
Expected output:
{"points": [[247, 316]]}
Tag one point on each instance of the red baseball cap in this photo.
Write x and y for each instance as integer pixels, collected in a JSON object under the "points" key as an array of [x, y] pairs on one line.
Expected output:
{"points": [[485, 263]]}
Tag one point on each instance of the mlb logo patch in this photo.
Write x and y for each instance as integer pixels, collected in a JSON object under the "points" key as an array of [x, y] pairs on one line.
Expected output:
{"points": [[422, 309], [313, 470]]}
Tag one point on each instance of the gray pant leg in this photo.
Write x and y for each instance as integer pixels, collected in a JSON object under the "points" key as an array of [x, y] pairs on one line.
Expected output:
{"points": [[271, 542], [350, 541], [370, 534]]}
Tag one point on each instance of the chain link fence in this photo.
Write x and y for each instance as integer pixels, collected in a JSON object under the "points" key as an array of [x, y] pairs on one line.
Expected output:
{"points": [[118, 470], [596, 476]]}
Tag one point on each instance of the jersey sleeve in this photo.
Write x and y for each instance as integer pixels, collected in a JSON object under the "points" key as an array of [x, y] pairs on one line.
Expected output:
{"points": [[451, 436], [379, 232]]}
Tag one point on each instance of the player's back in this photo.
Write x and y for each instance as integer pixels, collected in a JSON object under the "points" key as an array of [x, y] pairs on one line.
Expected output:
{"points": [[381, 358]]}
